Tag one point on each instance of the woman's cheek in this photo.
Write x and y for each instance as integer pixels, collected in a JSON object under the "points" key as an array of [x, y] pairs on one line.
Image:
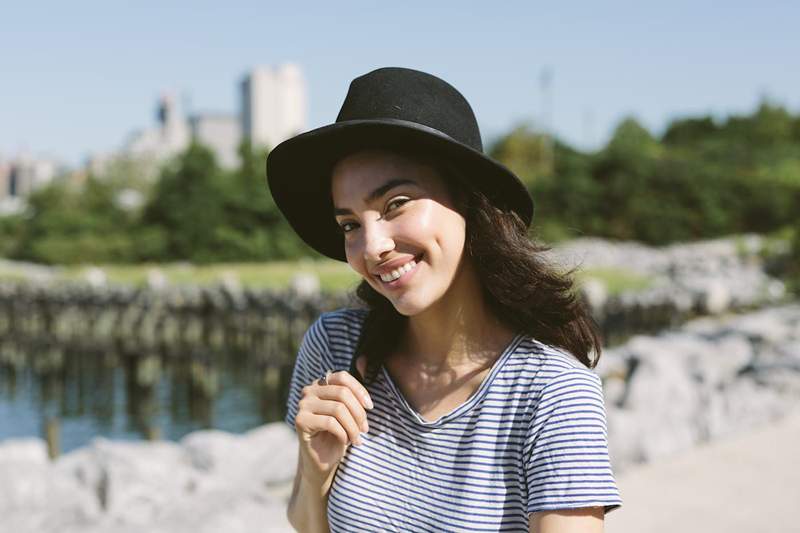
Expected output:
{"points": [[423, 219]]}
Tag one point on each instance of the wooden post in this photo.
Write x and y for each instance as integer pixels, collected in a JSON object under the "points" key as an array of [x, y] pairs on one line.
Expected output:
{"points": [[51, 432], [153, 432]]}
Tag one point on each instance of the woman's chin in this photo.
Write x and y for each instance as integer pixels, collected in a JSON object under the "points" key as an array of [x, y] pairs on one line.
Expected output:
{"points": [[407, 307]]}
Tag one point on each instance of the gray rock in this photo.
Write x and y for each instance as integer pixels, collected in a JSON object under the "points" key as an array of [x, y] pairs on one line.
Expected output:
{"points": [[33, 494], [713, 377], [304, 284]]}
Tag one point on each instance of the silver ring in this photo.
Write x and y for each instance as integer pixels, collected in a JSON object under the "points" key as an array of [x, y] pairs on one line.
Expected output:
{"points": [[324, 379]]}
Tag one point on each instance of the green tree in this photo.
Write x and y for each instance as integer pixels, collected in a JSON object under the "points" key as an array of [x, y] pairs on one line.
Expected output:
{"points": [[182, 218], [624, 171], [687, 131], [68, 224], [525, 152], [254, 227], [11, 229]]}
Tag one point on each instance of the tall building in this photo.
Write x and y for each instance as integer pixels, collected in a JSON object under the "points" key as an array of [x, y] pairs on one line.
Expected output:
{"points": [[169, 138], [272, 109], [22, 175], [273, 104], [221, 132]]}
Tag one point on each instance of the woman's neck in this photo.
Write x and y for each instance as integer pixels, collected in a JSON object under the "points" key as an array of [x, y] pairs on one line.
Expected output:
{"points": [[457, 331]]}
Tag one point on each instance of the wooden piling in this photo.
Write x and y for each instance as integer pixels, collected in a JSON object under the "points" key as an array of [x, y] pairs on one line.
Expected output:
{"points": [[53, 437], [153, 432]]}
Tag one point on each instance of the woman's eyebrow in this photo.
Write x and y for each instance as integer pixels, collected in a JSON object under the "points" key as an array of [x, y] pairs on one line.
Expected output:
{"points": [[377, 193]]}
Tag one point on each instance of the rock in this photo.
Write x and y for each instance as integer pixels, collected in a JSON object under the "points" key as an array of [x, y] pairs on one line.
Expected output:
{"points": [[156, 279], [595, 292], [96, 277], [661, 398], [717, 363], [304, 284], [713, 377], [133, 481], [716, 298], [277, 444], [34, 496], [28, 450], [263, 457]]}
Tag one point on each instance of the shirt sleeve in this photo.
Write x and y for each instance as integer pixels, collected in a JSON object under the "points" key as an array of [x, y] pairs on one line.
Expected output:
{"points": [[313, 360], [568, 464]]}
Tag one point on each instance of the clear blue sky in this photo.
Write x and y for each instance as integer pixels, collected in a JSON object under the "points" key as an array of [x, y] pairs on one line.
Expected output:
{"points": [[78, 76]]}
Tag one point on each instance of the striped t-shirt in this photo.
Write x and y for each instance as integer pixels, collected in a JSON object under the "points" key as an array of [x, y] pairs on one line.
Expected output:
{"points": [[531, 438]]}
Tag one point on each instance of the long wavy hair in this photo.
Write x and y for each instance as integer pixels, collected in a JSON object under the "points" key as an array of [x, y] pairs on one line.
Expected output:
{"points": [[522, 289]]}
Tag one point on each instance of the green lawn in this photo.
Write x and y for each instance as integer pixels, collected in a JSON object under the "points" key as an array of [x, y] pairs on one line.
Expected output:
{"points": [[615, 280], [333, 275]]}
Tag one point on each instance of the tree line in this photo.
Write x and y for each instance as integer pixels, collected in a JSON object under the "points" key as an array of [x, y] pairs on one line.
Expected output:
{"points": [[703, 177]]}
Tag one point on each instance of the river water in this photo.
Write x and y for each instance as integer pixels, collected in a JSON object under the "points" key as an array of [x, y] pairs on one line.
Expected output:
{"points": [[97, 394]]}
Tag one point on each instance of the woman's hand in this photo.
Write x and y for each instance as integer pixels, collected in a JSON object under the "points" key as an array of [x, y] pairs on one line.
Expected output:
{"points": [[330, 418]]}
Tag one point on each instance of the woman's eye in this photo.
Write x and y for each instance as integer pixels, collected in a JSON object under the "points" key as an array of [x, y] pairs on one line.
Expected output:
{"points": [[397, 201], [391, 206], [344, 226]]}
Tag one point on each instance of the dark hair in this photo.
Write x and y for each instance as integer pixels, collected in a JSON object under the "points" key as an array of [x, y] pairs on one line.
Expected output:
{"points": [[523, 290]]}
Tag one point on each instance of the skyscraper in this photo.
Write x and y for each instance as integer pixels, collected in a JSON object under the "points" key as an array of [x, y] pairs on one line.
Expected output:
{"points": [[273, 104]]}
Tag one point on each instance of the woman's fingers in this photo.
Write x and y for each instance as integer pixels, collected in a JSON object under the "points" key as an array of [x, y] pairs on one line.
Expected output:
{"points": [[338, 413], [346, 397], [346, 379], [315, 423], [337, 407]]}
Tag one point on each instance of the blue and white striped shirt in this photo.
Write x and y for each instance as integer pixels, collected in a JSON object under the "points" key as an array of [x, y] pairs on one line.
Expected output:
{"points": [[531, 438]]}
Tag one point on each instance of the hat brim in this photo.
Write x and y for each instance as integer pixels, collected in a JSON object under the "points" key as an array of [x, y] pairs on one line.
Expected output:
{"points": [[299, 172]]}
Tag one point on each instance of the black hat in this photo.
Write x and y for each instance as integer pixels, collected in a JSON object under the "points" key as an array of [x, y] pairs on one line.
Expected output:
{"points": [[387, 108]]}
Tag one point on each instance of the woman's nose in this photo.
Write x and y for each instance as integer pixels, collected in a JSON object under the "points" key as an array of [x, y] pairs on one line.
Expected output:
{"points": [[376, 241]]}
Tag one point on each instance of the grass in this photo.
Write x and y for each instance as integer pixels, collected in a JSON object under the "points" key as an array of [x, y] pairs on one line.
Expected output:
{"points": [[616, 280], [333, 275]]}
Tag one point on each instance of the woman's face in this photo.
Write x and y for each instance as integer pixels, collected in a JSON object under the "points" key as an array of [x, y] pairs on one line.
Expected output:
{"points": [[398, 218]]}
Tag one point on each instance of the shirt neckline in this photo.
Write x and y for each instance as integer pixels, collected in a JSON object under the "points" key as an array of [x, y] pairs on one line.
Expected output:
{"points": [[469, 403]]}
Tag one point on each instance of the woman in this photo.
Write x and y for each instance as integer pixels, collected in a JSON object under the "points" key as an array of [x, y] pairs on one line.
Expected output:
{"points": [[465, 385]]}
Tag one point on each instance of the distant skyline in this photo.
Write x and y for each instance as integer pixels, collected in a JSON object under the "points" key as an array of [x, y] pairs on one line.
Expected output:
{"points": [[79, 77]]}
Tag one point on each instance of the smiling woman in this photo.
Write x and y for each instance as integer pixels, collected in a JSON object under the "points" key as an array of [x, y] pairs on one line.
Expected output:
{"points": [[402, 231], [466, 381]]}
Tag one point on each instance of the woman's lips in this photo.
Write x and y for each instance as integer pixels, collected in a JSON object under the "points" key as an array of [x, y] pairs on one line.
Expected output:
{"points": [[405, 276]]}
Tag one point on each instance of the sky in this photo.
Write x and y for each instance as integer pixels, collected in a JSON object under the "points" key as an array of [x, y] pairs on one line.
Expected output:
{"points": [[78, 77]]}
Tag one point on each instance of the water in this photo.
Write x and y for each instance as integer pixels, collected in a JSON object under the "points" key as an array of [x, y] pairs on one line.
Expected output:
{"points": [[94, 393]]}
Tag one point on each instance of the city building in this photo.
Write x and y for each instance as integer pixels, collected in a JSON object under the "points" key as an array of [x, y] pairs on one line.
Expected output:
{"points": [[272, 108], [273, 104], [170, 136], [220, 132], [21, 175]]}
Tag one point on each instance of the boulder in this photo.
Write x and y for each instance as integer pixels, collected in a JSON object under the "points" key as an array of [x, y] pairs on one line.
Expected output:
{"points": [[34, 496]]}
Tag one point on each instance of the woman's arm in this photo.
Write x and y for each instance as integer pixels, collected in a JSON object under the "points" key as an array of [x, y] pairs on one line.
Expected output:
{"points": [[581, 520], [329, 419], [308, 505]]}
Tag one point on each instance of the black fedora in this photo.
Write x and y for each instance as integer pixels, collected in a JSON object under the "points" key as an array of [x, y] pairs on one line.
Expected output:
{"points": [[389, 107]]}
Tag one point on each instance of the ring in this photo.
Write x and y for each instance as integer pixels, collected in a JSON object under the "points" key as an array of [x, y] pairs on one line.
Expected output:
{"points": [[324, 379]]}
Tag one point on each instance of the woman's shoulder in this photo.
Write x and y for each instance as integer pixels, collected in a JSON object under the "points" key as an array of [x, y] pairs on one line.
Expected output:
{"points": [[343, 319], [342, 329], [546, 362]]}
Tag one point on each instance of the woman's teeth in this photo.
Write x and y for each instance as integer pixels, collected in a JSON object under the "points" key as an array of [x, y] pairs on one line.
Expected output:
{"points": [[396, 273]]}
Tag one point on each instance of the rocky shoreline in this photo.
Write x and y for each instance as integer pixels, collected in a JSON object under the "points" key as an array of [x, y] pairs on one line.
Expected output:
{"points": [[683, 281], [665, 393], [713, 377]]}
